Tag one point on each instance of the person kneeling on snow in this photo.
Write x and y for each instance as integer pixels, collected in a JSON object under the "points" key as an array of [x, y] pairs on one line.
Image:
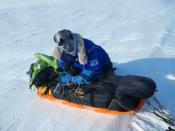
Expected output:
{"points": [[81, 60]]}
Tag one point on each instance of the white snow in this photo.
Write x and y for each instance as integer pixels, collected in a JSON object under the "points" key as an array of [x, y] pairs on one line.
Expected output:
{"points": [[170, 76], [139, 36]]}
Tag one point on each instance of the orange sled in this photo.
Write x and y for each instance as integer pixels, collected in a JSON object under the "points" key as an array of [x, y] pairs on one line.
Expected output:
{"points": [[49, 96]]}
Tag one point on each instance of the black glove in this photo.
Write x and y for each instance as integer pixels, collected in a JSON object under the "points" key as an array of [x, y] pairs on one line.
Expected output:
{"points": [[59, 69], [74, 70], [69, 62]]}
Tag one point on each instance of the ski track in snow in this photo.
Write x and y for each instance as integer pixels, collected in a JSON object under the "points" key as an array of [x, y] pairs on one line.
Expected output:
{"points": [[118, 26]]}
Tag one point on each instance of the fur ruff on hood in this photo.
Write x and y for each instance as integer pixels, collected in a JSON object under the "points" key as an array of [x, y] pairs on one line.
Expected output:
{"points": [[82, 56]]}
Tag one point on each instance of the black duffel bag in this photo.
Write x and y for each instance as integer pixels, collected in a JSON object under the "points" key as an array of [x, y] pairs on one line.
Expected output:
{"points": [[136, 86]]}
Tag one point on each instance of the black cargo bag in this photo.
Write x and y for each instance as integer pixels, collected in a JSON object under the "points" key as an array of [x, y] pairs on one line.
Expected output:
{"points": [[136, 86]]}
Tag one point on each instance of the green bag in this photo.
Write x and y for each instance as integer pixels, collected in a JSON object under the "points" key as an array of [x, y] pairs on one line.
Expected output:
{"points": [[43, 62]]}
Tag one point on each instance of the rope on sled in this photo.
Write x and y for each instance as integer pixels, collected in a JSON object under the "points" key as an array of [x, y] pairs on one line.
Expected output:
{"points": [[160, 111], [119, 103]]}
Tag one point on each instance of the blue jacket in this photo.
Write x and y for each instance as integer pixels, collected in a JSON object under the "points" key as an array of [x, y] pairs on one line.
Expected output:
{"points": [[97, 61]]}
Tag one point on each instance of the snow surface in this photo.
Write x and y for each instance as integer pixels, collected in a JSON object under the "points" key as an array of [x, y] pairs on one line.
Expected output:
{"points": [[139, 36]]}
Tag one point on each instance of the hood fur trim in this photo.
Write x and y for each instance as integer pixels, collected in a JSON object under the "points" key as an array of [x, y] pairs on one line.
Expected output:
{"points": [[82, 56]]}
